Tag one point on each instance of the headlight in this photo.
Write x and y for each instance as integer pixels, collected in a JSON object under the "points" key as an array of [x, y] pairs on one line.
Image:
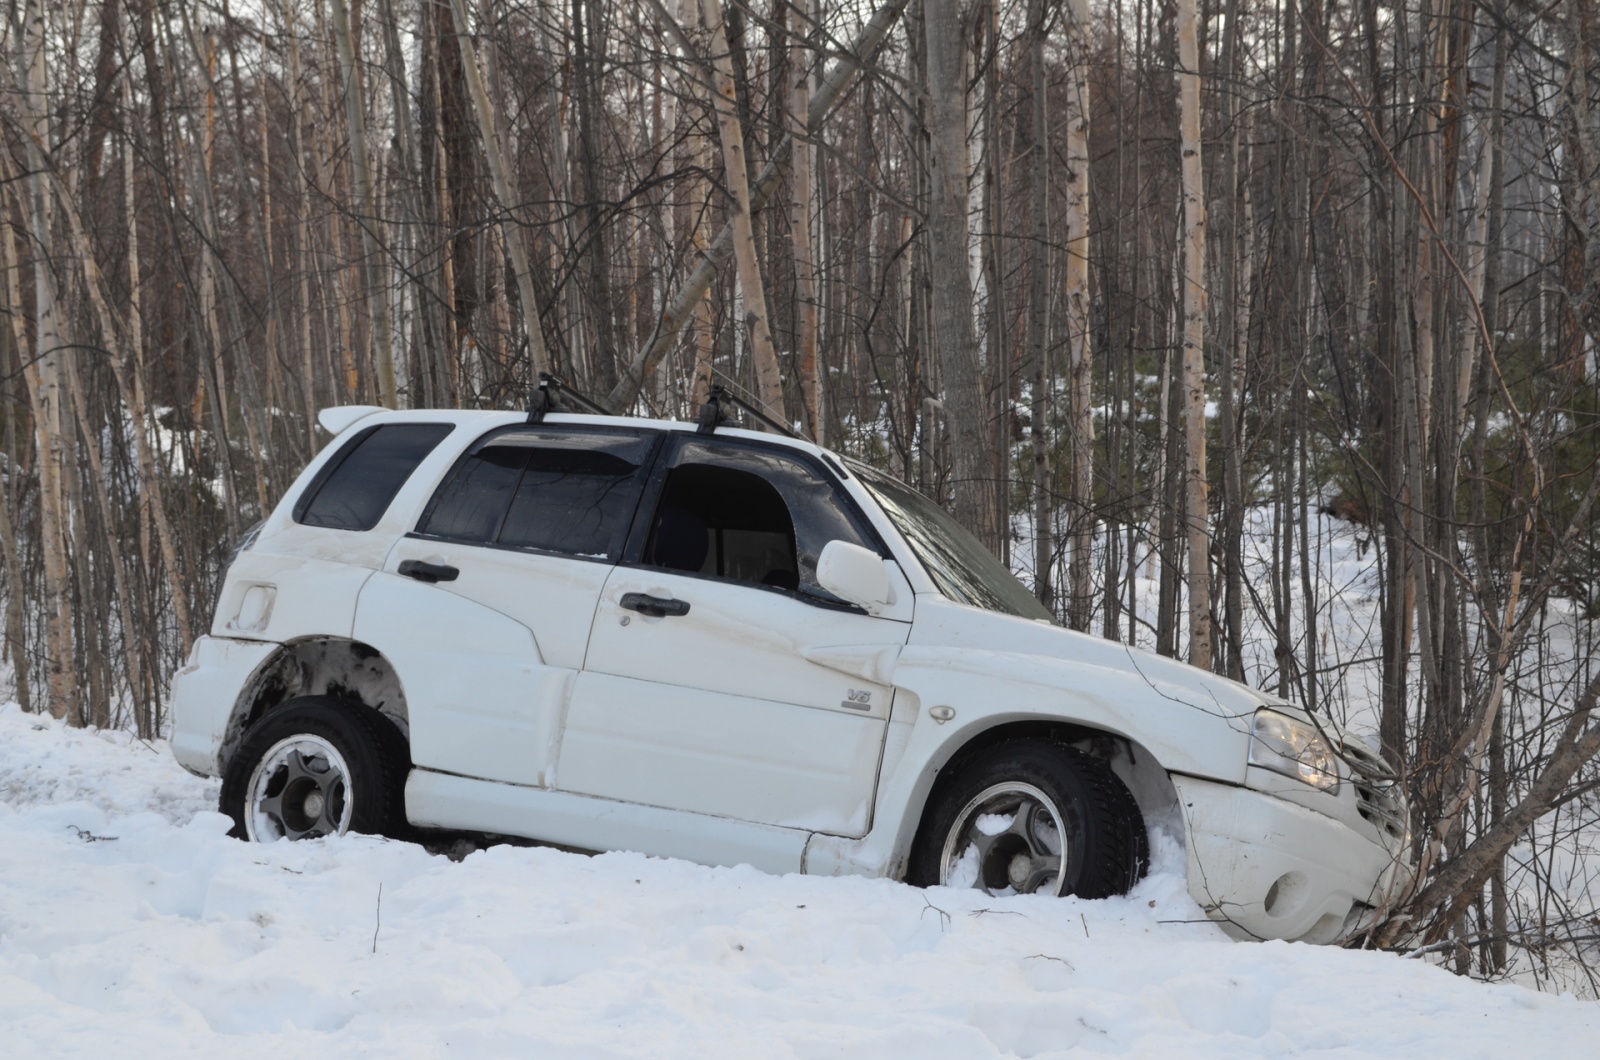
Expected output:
{"points": [[1284, 745]]}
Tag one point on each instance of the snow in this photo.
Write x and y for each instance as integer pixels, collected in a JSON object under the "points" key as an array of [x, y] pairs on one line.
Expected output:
{"points": [[130, 925], [994, 823]]}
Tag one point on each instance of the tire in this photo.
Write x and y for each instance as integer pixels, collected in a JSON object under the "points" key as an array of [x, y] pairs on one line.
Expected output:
{"points": [[1030, 817], [317, 766]]}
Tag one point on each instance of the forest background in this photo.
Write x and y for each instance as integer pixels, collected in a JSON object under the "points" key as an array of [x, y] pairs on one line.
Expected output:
{"points": [[1137, 287]]}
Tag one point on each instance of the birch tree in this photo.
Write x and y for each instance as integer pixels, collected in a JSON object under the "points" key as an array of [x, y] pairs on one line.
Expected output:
{"points": [[1196, 514], [753, 289], [500, 171], [1076, 302], [50, 343]]}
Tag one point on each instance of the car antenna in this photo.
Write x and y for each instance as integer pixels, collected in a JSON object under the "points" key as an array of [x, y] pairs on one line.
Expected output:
{"points": [[713, 415], [547, 399]]}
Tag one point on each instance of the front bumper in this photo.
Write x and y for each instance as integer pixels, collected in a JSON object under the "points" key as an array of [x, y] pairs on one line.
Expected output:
{"points": [[204, 694], [1265, 868]]}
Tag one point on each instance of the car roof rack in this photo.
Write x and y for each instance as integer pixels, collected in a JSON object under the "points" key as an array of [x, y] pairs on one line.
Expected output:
{"points": [[713, 415], [553, 391], [547, 399]]}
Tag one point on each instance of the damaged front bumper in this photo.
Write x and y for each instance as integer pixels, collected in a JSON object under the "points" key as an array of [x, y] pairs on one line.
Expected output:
{"points": [[1265, 868]]}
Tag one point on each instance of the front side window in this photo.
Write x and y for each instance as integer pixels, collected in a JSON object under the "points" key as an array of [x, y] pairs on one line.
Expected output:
{"points": [[571, 492], [750, 515], [356, 487]]}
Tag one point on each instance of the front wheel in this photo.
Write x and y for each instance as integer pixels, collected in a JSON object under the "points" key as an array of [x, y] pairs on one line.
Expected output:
{"points": [[1032, 818], [314, 767]]}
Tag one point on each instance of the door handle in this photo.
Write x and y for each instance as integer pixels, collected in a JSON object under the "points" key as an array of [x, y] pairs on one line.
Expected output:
{"points": [[654, 606], [424, 571]]}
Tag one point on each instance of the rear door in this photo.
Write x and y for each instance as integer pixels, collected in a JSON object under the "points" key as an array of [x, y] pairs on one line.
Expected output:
{"points": [[697, 693], [490, 599]]}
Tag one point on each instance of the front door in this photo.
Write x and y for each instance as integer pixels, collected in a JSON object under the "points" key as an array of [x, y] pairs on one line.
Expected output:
{"points": [[697, 694]]}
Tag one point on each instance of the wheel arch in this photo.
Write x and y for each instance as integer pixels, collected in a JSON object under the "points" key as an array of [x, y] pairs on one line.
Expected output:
{"points": [[341, 668], [1132, 762]]}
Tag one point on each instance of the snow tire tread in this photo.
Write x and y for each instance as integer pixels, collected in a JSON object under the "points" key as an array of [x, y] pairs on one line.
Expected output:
{"points": [[1115, 847], [373, 747]]}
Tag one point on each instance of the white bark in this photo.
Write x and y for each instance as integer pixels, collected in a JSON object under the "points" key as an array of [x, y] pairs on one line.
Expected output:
{"points": [[1194, 322], [805, 279], [769, 375], [1077, 312], [43, 376]]}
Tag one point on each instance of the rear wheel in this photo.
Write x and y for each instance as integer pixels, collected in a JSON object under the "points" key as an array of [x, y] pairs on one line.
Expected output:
{"points": [[314, 767], [1032, 818]]}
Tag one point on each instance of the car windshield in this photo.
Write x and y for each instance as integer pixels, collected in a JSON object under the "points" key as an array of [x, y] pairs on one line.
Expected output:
{"points": [[957, 562]]}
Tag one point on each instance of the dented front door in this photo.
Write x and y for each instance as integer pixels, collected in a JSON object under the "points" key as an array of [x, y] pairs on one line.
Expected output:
{"points": [[701, 690]]}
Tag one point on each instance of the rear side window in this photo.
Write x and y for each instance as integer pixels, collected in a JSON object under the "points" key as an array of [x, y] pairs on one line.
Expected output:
{"points": [[355, 488], [572, 492]]}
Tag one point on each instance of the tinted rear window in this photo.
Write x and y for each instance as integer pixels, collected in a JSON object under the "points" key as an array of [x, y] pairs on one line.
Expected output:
{"points": [[357, 485], [472, 504], [572, 492]]}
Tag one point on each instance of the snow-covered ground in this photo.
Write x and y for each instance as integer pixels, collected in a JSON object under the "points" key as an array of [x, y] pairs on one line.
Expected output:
{"points": [[131, 926]]}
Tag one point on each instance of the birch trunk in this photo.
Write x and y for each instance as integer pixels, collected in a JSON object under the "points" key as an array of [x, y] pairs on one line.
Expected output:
{"points": [[276, 398], [500, 175], [150, 492], [111, 332], [302, 200], [43, 376], [805, 266], [730, 130], [702, 336], [679, 308], [1229, 332], [1077, 322], [1194, 320], [1044, 587], [377, 291], [108, 547], [587, 62], [43, 381], [16, 640]]}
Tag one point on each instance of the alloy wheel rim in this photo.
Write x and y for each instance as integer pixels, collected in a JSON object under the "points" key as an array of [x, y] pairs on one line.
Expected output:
{"points": [[1008, 839], [299, 790]]}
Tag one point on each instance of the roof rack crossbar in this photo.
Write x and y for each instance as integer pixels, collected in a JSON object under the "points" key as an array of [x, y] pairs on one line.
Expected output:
{"points": [[547, 399], [713, 415]]}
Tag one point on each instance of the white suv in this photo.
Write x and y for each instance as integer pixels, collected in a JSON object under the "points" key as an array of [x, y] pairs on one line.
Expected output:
{"points": [[734, 647]]}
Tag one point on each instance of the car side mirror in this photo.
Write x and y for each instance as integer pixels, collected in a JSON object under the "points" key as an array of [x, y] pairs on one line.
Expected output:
{"points": [[853, 573]]}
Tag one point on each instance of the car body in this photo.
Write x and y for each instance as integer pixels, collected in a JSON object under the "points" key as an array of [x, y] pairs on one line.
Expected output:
{"points": [[612, 633]]}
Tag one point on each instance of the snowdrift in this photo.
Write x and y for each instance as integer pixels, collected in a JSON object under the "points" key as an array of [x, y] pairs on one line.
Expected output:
{"points": [[130, 925]]}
